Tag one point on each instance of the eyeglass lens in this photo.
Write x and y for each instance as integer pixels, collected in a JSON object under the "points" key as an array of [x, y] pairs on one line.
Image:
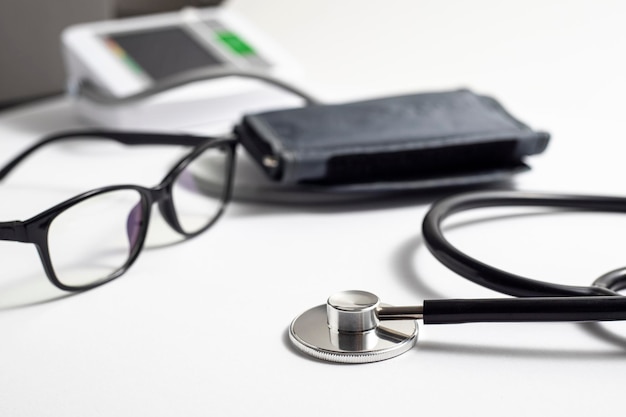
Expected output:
{"points": [[197, 192], [93, 240]]}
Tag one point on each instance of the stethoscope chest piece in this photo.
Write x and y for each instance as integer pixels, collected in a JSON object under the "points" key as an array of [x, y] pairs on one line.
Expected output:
{"points": [[347, 330]]}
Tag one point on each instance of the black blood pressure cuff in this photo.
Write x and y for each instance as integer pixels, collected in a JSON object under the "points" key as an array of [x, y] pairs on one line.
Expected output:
{"points": [[405, 138]]}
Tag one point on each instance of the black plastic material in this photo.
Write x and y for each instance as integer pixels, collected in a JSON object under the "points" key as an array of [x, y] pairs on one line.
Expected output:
{"points": [[35, 230], [494, 278], [556, 302], [126, 138], [546, 309]]}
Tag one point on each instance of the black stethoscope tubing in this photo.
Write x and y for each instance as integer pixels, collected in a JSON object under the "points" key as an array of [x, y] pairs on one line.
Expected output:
{"points": [[538, 300], [355, 327]]}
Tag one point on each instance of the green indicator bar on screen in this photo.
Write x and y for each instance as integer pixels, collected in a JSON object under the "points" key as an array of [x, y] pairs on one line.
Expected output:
{"points": [[133, 65], [235, 43]]}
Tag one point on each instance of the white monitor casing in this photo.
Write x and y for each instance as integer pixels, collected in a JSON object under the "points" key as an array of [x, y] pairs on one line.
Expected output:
{"points": [[214, 104]]}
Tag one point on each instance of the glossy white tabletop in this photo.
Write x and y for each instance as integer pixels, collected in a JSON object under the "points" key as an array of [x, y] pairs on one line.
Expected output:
{"points": [[200, 328]]}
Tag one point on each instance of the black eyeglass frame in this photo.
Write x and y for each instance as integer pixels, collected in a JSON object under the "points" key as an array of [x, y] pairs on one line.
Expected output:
{"points": [[35, 230]]}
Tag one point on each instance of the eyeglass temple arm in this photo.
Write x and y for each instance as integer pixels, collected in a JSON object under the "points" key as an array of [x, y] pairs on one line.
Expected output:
{"points": [[13, 231], [132, 138]]}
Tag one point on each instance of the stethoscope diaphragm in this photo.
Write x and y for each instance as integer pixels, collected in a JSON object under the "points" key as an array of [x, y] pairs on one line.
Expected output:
{"points": [[347, 329]]}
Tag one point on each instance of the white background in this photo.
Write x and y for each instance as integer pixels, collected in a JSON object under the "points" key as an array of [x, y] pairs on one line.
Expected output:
{"points": [[200, 328]]}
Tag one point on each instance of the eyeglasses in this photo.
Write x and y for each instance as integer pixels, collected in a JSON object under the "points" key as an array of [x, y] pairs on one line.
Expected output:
{"points": [[96, 236]]}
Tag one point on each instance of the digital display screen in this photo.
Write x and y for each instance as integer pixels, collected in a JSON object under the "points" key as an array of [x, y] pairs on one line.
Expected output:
{"points": [[161, 53]]}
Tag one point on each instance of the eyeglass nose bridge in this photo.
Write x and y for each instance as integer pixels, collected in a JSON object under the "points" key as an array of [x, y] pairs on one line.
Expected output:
{"points": [[162, 196]]}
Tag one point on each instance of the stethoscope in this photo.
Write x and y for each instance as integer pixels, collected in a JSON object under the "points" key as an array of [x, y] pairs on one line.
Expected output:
{"points": [[355, 327]]}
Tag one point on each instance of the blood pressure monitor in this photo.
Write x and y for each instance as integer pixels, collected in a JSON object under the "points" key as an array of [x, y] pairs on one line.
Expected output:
{"points": [[122, 58]]}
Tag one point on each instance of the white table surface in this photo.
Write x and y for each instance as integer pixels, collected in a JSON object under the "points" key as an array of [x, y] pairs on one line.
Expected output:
{"points": [[200, 328]]}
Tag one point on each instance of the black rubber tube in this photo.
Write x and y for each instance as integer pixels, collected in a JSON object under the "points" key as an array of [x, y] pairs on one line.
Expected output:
{"points": [[600, 308], [91, 92], [567, 303]]}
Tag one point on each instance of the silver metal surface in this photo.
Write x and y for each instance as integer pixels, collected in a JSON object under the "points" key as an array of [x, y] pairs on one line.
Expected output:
{"points": [[270, 161], [352, 311], [347, 330], [400, 313]]}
